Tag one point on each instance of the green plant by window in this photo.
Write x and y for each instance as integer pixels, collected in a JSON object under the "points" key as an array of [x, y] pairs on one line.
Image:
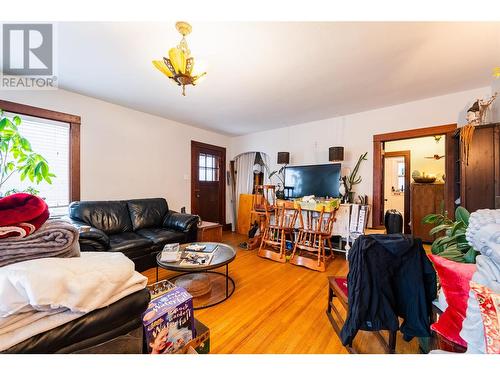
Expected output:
{"points": [[452, 245], [16, 155]]}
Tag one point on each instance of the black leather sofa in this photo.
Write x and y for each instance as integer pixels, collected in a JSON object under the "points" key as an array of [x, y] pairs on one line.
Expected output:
{"points": [[139, 228], [115, 329]]}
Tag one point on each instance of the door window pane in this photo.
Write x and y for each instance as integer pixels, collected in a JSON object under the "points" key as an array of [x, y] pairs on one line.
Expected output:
{"points": [[202, 175], [208, 167]]}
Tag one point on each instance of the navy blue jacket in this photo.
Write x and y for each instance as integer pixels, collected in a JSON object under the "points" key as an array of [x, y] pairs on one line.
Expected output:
{"points": [[389, 276]]}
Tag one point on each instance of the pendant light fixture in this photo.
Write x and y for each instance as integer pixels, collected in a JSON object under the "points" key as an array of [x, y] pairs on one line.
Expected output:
{"points": [[179, 64]]}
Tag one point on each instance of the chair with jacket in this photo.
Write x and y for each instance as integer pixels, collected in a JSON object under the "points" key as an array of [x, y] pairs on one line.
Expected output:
{"points": [[390, 277], [139, 228]]}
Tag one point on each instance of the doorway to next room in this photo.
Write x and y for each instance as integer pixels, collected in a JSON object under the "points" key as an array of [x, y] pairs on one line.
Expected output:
{"points": [[411, 176]]}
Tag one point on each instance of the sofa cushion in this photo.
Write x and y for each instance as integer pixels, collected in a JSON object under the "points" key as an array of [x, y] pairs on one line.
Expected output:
{"points": [[147, 213], [161, 236], [131, 244], [109, 216], [454, 278], [94, 328]]}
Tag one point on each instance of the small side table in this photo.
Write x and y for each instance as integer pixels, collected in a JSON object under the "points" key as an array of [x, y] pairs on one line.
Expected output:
{"points": [[209, 232]]}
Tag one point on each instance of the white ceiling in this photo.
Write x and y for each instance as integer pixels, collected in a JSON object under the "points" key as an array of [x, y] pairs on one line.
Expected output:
{"points": [[269, 75]]}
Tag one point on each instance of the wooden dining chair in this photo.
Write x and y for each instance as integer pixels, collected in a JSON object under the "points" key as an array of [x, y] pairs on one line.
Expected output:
{"points": [[263, 200], [279, 225], [315, 228]]}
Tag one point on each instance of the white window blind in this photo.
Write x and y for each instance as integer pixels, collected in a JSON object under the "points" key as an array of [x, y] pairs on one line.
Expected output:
{"points": [[51, 140]]}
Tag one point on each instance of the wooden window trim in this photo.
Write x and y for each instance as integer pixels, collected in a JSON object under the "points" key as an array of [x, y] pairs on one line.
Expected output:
{"points": [[74, 138]]}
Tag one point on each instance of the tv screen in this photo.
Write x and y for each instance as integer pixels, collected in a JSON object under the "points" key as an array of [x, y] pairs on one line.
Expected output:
{"points": [[319, 180]]}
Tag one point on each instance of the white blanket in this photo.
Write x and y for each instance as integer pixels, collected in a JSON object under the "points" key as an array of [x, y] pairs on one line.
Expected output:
{"points": [[41, 294]]}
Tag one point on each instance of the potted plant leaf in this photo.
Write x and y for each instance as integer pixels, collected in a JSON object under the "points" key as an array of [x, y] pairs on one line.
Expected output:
{"points": [[353, 178], [16, 155], [452, 244]]}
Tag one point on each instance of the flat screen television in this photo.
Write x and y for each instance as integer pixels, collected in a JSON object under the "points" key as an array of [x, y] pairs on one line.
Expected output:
{"points": [[320, 180]]}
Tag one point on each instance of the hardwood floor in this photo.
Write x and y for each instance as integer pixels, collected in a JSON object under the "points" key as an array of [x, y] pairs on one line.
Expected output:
{"points": [[277, 308]]}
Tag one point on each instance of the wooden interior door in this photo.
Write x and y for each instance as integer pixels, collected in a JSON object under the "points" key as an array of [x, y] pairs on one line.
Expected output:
{"points": [[208, 166]]}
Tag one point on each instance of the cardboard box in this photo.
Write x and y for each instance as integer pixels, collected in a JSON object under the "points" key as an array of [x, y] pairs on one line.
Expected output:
{"points": [[200, 344], [169, 321]]}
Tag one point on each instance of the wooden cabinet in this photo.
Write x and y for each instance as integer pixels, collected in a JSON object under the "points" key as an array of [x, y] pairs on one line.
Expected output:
{"points": [[480, 180], [244, 213], [425, 199], [209, 232]]}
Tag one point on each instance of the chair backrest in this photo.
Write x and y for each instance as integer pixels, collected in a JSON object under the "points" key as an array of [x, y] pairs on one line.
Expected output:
{"points": [[280, 216], [265, 196], [319, 222]]}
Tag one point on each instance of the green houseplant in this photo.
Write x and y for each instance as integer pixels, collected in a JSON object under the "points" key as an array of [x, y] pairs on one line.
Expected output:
{"points": [[16, 155], [353, 178], [452, 244]]}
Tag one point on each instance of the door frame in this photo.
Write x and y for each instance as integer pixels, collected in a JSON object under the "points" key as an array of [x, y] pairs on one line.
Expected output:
{"points": [[448, 131], [406, 154], [222, 177]]}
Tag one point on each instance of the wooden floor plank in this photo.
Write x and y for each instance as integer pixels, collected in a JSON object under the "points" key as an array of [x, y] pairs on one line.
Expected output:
{"points": [[277, 308]]}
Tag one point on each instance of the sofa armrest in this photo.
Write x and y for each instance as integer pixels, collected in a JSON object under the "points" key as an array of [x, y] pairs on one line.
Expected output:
{"points": [[180, 222], [93, 240]]}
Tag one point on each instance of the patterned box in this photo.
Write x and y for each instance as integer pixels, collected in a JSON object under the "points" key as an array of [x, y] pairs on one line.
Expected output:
{"points": [[169, 321]]}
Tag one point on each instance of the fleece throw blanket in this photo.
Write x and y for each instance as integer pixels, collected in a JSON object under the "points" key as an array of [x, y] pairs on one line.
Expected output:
{"points": [[56, 238], [21, 214], [41, 294]]}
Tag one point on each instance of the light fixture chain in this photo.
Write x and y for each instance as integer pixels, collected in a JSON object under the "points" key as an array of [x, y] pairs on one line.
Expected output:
{"points": [[183, 46]]}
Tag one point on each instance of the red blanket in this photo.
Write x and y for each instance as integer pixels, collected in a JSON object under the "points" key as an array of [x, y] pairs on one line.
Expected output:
{"points": [[21, 214]]}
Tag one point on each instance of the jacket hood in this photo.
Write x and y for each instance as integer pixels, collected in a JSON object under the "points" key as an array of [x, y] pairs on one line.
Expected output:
{"points": [[396, 244]]}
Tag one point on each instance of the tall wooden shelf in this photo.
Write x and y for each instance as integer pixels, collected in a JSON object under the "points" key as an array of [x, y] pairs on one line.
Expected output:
{"points": [[425, 199], [478, 183]]}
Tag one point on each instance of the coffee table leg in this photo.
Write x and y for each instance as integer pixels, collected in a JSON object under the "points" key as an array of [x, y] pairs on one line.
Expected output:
{"points": [[227, 279], [156, 273]]}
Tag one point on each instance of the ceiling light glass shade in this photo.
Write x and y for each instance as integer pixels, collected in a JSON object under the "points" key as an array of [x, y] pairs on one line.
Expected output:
{"points": [[496, 72], [179, 64]]}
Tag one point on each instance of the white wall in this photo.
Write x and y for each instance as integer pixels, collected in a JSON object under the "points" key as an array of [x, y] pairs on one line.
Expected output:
{"points": [[308, 143], [126, 153]]}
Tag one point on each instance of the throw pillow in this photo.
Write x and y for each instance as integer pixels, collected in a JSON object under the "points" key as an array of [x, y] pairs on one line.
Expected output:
{"points": [[489, 305], [454, 278]]}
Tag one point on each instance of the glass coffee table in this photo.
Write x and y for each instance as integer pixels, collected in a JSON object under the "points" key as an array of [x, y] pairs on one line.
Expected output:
{"points": [[207, 286]]}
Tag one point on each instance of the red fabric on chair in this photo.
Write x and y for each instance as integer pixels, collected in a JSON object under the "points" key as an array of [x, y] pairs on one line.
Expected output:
{"points": [[454, 278], [342, 283], [21, 214]]}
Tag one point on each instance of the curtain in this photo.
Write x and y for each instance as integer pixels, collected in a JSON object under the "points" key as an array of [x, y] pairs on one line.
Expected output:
{"points": [[244, 176], [267, 168]]}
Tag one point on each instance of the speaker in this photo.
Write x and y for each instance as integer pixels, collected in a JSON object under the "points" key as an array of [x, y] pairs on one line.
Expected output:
{"points": [[283, 158], [336, 154]]}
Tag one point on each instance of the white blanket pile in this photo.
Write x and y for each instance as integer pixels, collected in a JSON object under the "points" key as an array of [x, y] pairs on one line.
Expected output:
{"points": [[41, 294]]}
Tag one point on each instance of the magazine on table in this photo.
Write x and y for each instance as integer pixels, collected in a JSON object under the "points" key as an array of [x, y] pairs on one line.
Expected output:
{"points": [[170, 253], [202, 247], [196, 259]]}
